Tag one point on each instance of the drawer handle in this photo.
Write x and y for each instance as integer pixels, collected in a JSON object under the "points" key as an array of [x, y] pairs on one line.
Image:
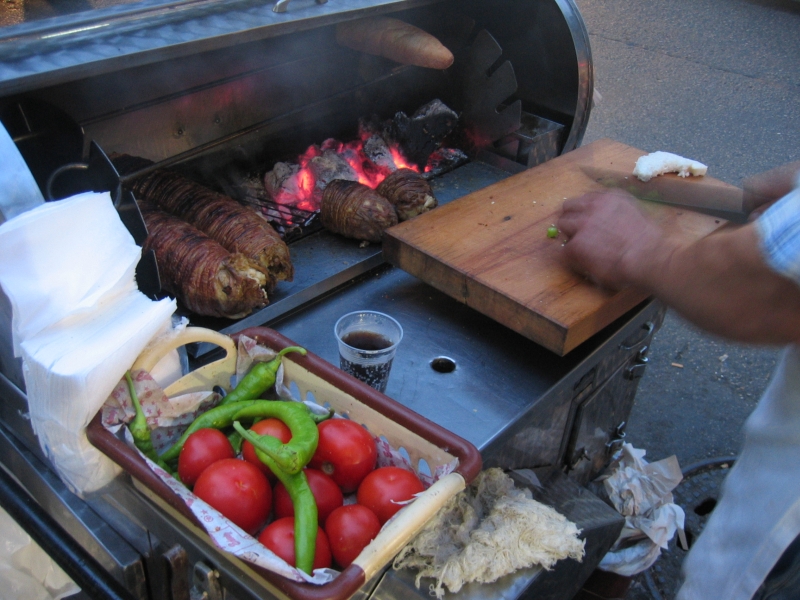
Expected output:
{"points": [[649, 326]]}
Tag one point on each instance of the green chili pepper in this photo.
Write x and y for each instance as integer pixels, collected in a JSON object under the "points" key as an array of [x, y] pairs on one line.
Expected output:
{"points": [[217, 418], [318, 418], [305, 506], [139, 429], [295, 454], [260, 378], [236, 441]]}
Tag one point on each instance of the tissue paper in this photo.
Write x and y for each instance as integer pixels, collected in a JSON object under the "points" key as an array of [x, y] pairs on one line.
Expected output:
{"points": [[67, 255], [79, 322], [642, 493]]}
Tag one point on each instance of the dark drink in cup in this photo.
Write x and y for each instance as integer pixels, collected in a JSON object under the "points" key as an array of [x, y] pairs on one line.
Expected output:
{"points": [[367, 344], [366, 340]]}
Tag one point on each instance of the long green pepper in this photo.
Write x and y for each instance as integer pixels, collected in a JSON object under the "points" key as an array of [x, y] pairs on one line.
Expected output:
{"points": [[295, 454], [219, 417], [139, 429], [305, 506], [260, 378]]}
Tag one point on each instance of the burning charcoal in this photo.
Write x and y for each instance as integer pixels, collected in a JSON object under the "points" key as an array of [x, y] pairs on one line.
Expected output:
{"points": [[281, 181], [377, 150], [444, 160], [408, 192], [423, 133], [356, 211], [250, 189], [329, 166]]}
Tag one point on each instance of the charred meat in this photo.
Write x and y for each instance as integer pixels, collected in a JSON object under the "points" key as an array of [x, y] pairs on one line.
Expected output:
{"points": [[237, 228], [409, 193], [356, 211], [198, 271]]}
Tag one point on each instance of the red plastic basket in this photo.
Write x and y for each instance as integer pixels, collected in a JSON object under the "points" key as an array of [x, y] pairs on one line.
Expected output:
{"points": [[403, 428]]}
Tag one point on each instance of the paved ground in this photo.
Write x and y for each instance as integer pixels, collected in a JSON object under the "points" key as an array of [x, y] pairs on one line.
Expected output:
{"points": [[717, 81]]}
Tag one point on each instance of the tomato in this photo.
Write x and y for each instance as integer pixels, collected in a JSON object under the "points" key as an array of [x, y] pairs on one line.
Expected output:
{"points": [[326, 493], [346, 452], [350, 529], [278, 537], [238, 490], [382, 489], [271, 426], [203, 447]]}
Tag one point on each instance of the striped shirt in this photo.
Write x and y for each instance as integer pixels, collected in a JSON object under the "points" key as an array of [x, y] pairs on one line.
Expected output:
{"points": [[779, 231]]}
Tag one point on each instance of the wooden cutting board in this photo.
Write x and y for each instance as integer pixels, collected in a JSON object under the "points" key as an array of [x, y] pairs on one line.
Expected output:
{"points": [[490, 249]]}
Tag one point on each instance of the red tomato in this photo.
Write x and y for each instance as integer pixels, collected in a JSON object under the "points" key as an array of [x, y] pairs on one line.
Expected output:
{"points": [[346, 452], [271, 426], [278, 536], [382, 489], [203, 447], [238, 490], [350, 529], [326, 493]]}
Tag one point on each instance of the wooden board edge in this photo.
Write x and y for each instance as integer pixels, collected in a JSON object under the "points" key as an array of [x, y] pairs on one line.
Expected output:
{"points": [[546, 332], [619, 304], [415, 262], [461, 288]]}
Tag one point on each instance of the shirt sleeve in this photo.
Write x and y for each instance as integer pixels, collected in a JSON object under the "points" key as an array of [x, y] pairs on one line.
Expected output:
{"points": [[779, 232]]}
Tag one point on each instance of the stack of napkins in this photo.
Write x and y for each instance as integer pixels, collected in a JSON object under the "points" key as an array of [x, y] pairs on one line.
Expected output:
{"points": [[79, 322]]}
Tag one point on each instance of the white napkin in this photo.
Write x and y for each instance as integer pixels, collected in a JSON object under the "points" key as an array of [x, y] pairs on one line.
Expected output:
{"points": [[18, 189], [79, 321], [62, 258]]}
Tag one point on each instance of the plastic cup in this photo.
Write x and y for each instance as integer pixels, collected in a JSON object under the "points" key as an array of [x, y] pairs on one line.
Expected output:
{"points": [[368, 341]]}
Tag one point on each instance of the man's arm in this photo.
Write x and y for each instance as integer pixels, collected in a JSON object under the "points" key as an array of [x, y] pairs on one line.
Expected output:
{"points": [[720, 283]]}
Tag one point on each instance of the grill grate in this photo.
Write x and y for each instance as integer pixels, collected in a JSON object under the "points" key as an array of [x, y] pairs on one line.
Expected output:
{"points": [[290, 222]]}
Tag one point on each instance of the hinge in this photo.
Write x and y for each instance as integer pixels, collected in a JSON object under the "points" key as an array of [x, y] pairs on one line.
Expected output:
{"points": [[617, 438], [206, 584], [636, 370]]}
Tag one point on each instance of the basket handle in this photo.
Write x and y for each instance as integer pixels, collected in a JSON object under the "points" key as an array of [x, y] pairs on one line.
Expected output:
{"points": [[206, 377], [399, 531]]}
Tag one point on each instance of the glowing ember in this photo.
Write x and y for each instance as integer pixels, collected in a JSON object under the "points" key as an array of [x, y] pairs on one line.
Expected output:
{"points": [[400, 161], [294, 190], [301, 185]]}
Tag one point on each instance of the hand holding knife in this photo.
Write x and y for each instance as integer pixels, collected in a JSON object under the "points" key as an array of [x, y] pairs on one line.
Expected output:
{"points": [[704, 194], [721, 282], [699, 193]]}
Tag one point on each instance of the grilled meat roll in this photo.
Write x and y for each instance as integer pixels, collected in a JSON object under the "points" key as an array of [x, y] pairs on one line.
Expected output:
{"points": [[409, 193], [198, 271], [355, 210], [236, 227]]}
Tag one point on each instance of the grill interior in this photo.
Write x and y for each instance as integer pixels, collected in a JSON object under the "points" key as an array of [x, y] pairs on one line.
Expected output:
{"points": [[225, 113]]}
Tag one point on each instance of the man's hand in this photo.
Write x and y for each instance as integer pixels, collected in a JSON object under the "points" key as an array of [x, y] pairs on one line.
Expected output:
{"points": [[610, 240], [762, 190], [720, 283]]}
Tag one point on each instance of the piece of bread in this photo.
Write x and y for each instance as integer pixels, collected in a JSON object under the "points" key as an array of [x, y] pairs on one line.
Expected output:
{"points": [[395, 40], [658, 163]]}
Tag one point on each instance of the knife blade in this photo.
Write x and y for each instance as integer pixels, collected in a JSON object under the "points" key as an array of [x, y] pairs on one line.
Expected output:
{"points": [[701, 194]]}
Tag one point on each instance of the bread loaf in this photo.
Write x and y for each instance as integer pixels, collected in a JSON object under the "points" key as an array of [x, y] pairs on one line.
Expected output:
{"points": [[395, 40]]}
